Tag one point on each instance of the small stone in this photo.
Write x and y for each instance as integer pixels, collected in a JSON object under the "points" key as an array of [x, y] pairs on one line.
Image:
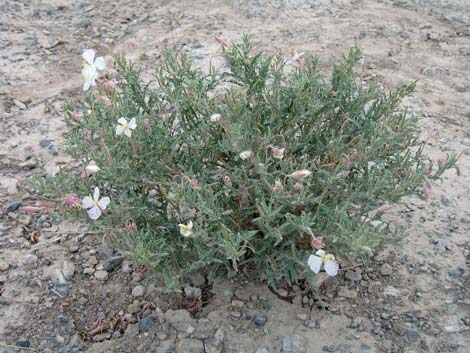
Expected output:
{"points": [[60, 290], [102, 337], [12, 207], [282, 292], [236, 314], [161, 335], [63, 318], [220, 335], [68, 270], [189, 345], [192, 292], [138, 291], [445, 200], [30, 260], [294, 344], [4, 266], [23, 344], [452, 276], [302, 317], [88, 271], [44, 143], [237, 303], [101, 275], [386, 269], [112, 263], [145, 324], [212, 346], [452, 308], [73, 249], [133, 308], [391, 291], [87, 22], [228, 295], [353, 276], [297, 300], [260, 319], [345, 292]]}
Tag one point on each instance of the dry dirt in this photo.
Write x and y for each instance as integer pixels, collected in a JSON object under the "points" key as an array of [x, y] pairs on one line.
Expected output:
{"points": [[415, 296]]}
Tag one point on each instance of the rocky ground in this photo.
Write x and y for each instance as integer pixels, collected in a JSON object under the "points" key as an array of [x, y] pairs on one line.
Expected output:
{"points": [[60, 293]]}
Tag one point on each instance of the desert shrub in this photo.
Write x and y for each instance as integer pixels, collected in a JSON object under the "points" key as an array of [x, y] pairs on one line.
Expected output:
{"points": [[266, 161]]}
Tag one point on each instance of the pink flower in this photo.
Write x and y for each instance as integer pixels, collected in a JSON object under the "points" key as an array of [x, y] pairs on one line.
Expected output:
{"points": [[109, 85], [216, 118], [194, 184], [300, 174], [426, 188], [278, 186], [441, 161], [246, 154], [317, 242], [72, 200], [103, 99], [298, 187], [277, 152], [91, 168]]}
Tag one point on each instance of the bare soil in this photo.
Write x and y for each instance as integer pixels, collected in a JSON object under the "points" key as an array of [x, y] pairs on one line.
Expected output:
{"points": [[415, 295]]}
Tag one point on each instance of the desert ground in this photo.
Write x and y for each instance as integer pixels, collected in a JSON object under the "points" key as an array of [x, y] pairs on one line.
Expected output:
{"points": [[60, 293]]}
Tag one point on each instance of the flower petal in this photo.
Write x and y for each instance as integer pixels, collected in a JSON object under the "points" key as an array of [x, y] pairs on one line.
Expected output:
{"points": [[94, 213], [104, 202], [315, 263], [119, 130], [87, 202], [100, 64], [122, 121], [132, 124], [96, 194], [86, 85], [128, 132], [89, 55], [320, 252], [331, 267]]}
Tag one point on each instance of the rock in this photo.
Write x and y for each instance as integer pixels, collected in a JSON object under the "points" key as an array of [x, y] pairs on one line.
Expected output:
{"points": [[294, 344], [353, 276], [62, 318], [174, 316], [87, 23], [101, 275], [73, 249], [452, 276], [44, 143], [166, 346], [183, 329], [102, 337], [213, 346], [445, 200], [12, 207], [133, 308], [220, 335], [192, 292], [237, 304], [189, 345], [138, 291], [228, 295], [54, 274], [145, 324], [391, 291], [4, 266], [54, 150], [23, 344], [30, 260], [260, 319], [68, 269], [386, 269], [112, 263], [88, 271], [282, 292], [345, 292], [434, 71], [60, 290]]}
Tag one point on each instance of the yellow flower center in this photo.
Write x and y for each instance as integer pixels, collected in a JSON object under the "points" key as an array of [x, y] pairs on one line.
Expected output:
{"points": [[327, 257]]}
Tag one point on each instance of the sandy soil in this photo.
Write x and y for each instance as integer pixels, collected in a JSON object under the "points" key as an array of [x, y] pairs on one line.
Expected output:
{"points": [[413, 298]]}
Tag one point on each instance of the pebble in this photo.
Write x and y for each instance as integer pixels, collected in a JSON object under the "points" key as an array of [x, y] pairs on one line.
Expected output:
{"points": [[112, 263], [391, 291], [44, 143], [12, 207], [260, 319], [452, 276], [23, 344], [386, 269], [353, 276], [101, 275], [294, 344], [30, 260], [345, 292], [133, 308], [4, 266], [145, 324], [63, 318], [68, 270], [228, 295], [137, 291], [60, 289], [189, 345], [192, 292]]}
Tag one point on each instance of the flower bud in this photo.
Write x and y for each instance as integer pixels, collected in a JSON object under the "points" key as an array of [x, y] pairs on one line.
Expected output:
{"points": [[246, 154], [216, 118], [300, 174]]}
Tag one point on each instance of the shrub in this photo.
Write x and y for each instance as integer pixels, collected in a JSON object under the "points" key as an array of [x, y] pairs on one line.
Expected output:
{"points": [[255, 166]]}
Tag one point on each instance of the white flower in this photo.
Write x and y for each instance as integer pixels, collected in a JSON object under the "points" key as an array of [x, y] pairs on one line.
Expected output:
{"points": [[125, 127], [91, 67], [95, 206], [328, 260], [186, 230], [91, 168], [296, 56], [246, 154], [215, 118]]}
